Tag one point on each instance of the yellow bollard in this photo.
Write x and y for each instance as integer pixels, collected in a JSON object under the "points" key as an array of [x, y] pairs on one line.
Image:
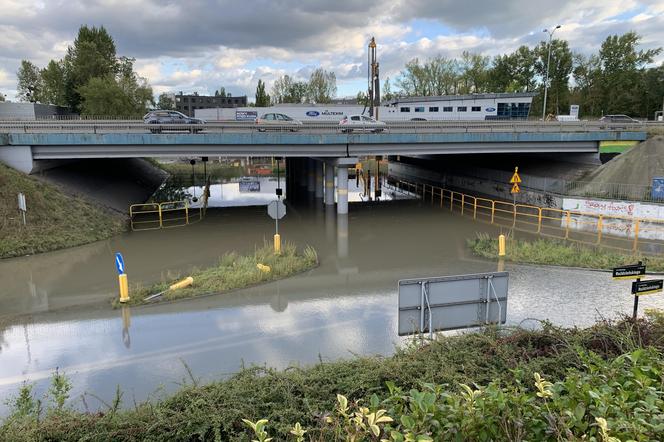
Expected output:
{"points": [[501, 245], [186, 282], [277, 244], [124, 287]]}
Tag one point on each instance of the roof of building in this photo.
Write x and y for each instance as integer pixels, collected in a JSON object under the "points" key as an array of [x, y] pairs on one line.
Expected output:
{"points": [[462, 97]]}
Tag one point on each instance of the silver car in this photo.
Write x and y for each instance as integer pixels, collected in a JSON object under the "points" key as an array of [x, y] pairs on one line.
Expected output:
{"points": [[171, 117], [364, 123], [276, 121]]}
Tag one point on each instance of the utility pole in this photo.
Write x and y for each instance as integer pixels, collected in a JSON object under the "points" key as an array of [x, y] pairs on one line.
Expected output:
{"points": [[548, 62]]}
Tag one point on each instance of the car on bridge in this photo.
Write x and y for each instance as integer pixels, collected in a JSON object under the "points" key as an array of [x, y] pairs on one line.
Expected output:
{"points": [[277, 121], [618, 121], [361, 123], [167, 117]]}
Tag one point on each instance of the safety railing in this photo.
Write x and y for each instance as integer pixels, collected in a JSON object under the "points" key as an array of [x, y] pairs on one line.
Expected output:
{"points": [[438, 126], [635, 234], [152, 216]]}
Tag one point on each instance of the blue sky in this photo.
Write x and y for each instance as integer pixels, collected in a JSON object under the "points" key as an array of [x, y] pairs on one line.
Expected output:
{"points": [[201, 45]]}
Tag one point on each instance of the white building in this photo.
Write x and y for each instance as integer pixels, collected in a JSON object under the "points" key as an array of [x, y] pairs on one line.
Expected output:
{"points": [[446, 107]]}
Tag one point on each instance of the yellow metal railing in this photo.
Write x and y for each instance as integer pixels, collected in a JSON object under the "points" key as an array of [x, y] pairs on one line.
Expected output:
{"points": [[613, 231]]}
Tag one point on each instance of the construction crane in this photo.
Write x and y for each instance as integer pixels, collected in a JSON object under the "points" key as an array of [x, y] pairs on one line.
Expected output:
{"points": [[373, 80]]}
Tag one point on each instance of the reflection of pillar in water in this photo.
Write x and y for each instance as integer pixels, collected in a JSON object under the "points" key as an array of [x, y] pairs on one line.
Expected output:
{"points": [[311, 175], [302, 172], [278, 302], [329, 184], [342, 189], [330, 217], [342, 236], [126, 323], [319, 179], [501, 265]]}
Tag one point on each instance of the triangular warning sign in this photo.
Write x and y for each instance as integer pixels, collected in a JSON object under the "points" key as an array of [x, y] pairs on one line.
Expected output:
{"points": [[515, 188], [515, 178]]}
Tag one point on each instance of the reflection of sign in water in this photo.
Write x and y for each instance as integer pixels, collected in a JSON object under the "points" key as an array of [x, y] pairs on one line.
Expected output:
{"points": [[250, 186], [658, 188], [242, 115]]}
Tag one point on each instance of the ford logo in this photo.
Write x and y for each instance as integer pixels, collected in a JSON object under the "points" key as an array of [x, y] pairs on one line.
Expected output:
{"points": [[313, 114], [490, 109]]}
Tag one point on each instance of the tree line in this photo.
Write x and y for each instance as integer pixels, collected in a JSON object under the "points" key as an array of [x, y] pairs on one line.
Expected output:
{"points": [[615, 80], [91, 79]]}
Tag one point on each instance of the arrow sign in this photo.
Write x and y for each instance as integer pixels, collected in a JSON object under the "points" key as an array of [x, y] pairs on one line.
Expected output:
{"points": [[515, 188], [119, 263], [647, 287], [629, 272]]}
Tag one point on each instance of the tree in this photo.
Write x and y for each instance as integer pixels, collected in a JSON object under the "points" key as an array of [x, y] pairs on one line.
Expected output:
{"points": [[53, 78], [91, 56], [560, 69], [29, 82], [286, 90], [322, 86], [221, 93], [587, 78], [436, 76], [362, 98], [474, 73], [262, 98], [108, 96], [165, 102], [387, 91], [2, 97]]}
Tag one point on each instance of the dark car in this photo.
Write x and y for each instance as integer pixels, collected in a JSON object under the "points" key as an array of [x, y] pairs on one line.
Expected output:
{"points": [[167, 117]]}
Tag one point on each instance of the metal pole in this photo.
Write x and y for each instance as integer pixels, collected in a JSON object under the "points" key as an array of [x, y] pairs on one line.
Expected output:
{"points": [[548, 62], [636, 300]]}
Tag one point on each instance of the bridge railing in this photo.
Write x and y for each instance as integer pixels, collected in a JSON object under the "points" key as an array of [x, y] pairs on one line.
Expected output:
{"points": [[103, 126], [634, 234]]}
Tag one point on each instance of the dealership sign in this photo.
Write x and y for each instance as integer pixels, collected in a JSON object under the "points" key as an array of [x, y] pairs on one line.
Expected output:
{"points": [[313, 113]]}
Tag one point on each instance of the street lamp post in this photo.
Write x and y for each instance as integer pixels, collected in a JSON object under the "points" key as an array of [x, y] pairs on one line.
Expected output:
{"points": [[548, 62]]}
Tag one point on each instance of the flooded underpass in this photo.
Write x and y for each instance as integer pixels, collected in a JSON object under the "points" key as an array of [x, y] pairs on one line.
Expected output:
{"points": [[55, 307]]}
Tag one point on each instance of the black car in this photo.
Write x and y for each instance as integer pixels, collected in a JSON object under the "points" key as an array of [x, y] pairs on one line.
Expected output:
{"points": [[167, 117]]}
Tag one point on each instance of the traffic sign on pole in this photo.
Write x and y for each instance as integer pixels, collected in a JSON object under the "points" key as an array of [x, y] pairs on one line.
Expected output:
{"points": [[119, 263], [515, 178], [515, 188], [276, 209], [647, 287]]}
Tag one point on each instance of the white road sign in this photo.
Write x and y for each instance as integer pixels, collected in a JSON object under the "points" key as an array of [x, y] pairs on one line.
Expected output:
{"points": [[276, 209]]}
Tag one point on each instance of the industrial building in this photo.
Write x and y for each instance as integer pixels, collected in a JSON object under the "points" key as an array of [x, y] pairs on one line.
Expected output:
{"points": [[505, 106], [189, 104], [32, 111]]}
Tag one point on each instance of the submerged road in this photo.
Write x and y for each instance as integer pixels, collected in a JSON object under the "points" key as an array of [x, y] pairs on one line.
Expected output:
{"points": [[346, 306]]}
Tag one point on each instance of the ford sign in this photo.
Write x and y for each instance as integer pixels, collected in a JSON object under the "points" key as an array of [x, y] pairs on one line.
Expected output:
{"points": [[490, 109], [313, 113]]}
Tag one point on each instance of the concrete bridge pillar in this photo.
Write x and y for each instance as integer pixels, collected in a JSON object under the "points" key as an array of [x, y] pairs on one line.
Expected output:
{"points": [[329, 184], [319, 179], [342, 189], [301, 172]]}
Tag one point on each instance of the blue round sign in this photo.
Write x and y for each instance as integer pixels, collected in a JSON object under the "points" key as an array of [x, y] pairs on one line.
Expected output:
{"points": [[490, 109], [313, 113], [119, 263]]}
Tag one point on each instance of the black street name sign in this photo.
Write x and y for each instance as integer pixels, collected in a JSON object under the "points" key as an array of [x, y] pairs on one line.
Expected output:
{"points": [[647, 287], [629, 272]]}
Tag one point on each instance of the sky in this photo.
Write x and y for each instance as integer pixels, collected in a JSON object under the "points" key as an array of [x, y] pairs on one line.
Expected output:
{"points": [[202, 45]]}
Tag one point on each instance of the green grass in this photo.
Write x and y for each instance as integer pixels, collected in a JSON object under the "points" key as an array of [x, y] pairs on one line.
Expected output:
{"points": [[506, 357], [55, 220], [232, 272], [560, 253]]}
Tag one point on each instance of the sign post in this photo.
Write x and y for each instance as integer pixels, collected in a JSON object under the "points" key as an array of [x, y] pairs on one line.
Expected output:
{"points": [[22, 207], [516, 179], [122, 278], [277, 210], [639, 288]]}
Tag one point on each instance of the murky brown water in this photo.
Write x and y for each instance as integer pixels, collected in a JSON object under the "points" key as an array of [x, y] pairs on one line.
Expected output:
{"points": [[346, 306]]}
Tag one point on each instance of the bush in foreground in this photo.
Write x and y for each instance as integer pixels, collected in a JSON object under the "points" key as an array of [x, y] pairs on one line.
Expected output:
{"points": [[547, 384]]}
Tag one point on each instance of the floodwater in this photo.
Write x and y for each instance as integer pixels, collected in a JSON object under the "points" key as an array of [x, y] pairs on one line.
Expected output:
{"points": [[55, 307]]}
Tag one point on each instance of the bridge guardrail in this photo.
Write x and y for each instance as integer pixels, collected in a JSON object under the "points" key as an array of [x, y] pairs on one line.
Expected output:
{"points": [[635, 234], [103, 126]]}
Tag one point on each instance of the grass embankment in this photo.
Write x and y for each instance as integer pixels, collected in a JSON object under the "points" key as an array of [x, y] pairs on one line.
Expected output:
{"points": [[559, 253], [55, 220], [595, 390], [233, 272]]}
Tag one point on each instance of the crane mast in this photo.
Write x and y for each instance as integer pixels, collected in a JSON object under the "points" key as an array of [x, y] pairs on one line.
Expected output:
{"points": [[373, 80]]}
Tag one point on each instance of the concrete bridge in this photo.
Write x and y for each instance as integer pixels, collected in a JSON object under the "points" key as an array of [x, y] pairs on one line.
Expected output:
{"points": [[29, 146]]}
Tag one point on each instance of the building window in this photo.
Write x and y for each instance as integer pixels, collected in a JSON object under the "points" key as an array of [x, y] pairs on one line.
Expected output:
{"points": [[419, 109], [404, 109], [476, 109], [433, 109], [462, 109], [447, 109]]}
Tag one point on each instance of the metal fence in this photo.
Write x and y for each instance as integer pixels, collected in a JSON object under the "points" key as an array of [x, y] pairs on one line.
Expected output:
{"points": [[637, 235]]}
